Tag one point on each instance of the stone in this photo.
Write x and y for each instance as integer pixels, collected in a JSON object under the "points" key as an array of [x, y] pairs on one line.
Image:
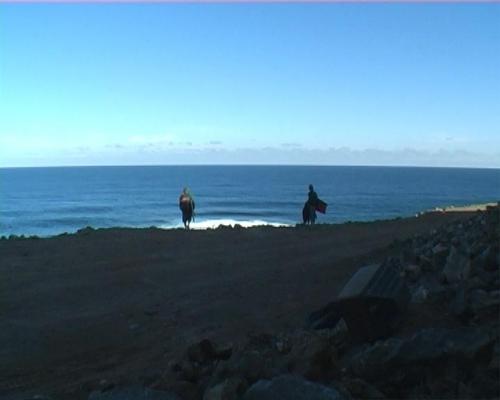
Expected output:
{"points": [[289, 387], [484, 385], [229, 389], [339, 335], [371, 304], [201, 352], [283, 346], [495, 358], [459, 306], [132, 393], [360, 389], [188, 371], [412, 272], [484, 305], [385, 359], [429, 290], [419, 295], [426, 263], [205, 352], [457, 267], [251, 365], [152, 310], [439, 255], [487, 259], [313, 358], [224, 352], [184, 389]]}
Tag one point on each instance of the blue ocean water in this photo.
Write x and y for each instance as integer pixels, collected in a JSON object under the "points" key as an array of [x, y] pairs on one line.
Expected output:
{"points": [[47, 201]]}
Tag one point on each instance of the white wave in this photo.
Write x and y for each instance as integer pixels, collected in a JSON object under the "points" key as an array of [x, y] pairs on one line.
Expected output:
{"points": [[215, 223]]}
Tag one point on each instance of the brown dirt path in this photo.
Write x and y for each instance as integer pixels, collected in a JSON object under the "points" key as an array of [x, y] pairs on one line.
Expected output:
{"points": [[122, 302]]}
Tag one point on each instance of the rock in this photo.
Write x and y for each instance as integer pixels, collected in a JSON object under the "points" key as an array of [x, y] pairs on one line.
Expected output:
{"points": [[458, 266], [188, 371], [384, 360], [494, 364], [172, 380], [251, 365], [132, 393], [339, 335], [289, 387], [459, 306], [370, 303], [152, 310], [476, 282], [205, 351], [183, 389], [433, 344], [133, 326], [372, 362], [412, 272], [224, 352], [201, 352], [360, 389], [314, 358], [283, 346], [484, 385], [487, 259], [429, 290], [419, 295], [484, 305], [425, 263], [439, 255], [230, 389]]}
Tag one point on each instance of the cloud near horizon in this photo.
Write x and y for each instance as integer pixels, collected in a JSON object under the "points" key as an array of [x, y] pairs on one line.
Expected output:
{"points": [[177, 153]]}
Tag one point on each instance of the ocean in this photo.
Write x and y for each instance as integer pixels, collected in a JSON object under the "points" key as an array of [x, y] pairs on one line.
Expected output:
{"points": [[50, 201]]}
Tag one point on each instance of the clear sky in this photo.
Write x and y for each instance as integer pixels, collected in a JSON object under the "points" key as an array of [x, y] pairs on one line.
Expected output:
{"points": [[362, 84]]}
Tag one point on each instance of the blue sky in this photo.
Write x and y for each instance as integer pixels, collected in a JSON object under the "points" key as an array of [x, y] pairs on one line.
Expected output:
{"points": [[363, 84]]}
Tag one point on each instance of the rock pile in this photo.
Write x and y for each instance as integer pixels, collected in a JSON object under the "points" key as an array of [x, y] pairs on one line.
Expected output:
{"points": [[444, 344]]}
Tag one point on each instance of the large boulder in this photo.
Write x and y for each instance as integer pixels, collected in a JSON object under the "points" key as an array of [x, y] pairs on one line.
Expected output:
{"points": [[370, 303], [394, 358], [289, 387], [457, 267]]}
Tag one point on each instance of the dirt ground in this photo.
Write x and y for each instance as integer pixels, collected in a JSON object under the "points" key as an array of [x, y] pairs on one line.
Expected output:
{"points": [[119, 304]]}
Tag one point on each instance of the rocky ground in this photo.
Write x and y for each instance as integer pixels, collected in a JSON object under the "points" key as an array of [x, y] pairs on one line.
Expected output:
{"points": [[442, 341], [446, 344]]}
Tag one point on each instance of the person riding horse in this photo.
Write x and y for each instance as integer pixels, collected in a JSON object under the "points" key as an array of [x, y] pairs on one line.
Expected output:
{"points": [[186, 205]]}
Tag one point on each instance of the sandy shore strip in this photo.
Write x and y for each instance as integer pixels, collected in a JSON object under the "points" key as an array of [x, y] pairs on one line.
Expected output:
{"points": [[467, 208]]}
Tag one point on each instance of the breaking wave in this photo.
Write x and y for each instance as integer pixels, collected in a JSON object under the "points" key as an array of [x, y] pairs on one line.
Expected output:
{"points": [[215, 223]]}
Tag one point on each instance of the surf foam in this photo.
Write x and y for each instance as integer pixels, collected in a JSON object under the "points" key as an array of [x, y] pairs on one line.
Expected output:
{"points": [[215, 223]]}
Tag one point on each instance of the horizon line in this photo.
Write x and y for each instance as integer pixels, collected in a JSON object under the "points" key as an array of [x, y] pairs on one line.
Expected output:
{"points": [[247, 165], [248, 1]]}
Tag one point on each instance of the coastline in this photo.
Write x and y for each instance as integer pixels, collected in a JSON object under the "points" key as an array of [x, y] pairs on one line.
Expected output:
{"points": [[258, 224], [112, 304], [466, 208]]}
